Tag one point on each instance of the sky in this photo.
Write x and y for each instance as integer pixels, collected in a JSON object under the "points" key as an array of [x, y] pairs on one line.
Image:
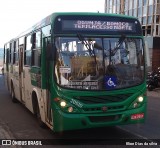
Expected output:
{"points": [[17, 16]]}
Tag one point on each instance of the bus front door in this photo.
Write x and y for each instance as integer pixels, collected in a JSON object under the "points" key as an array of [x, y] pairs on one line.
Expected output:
{"points": [[47, 47]]}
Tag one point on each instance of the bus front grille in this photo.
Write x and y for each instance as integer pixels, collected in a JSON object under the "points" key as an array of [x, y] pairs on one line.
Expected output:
{"points": [[100, 109], [102, 99]]}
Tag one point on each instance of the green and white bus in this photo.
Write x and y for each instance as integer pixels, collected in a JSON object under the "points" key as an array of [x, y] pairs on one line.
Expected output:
{"points": [[79, 70]]}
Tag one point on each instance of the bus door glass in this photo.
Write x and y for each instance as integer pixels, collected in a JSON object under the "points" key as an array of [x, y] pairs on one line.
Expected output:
{"points": [[26, 69], [21, 70], [47, 47]]}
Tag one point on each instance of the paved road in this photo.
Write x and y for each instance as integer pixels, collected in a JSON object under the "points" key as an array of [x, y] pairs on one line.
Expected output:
{"points": [[5, 132]]}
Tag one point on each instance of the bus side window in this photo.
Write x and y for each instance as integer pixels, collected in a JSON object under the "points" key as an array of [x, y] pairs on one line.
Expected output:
{"points": [[36, 49], [15, 54], [10, 53], [27, 54]]}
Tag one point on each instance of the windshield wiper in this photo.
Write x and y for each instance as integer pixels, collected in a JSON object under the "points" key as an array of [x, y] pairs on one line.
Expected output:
{"points": [[110, 52], [88, 46], [121, 40]]}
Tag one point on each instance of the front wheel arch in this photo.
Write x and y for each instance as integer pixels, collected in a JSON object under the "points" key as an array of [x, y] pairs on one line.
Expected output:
{"points": [[36, 109]]}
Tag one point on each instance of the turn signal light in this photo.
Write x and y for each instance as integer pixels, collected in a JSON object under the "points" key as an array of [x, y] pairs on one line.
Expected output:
{"points": [[70, 109], [56, 99]]}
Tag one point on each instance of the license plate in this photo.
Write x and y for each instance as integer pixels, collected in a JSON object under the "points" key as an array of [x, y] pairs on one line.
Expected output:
{"points": [[137, 116]]}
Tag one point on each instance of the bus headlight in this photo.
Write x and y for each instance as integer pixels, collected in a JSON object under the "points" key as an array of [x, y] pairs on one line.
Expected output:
{"points": [[138, 102], [63, 104], [140, 99]]}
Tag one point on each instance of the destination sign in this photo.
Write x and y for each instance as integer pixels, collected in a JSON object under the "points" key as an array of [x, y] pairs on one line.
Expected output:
{"points": [[98, 25], [83, 84]]}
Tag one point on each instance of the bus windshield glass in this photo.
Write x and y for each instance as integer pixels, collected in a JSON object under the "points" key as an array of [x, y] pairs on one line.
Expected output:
{"points": [[99, 63]]}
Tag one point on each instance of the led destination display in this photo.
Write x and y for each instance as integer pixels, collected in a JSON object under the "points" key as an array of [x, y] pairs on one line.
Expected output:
{"points": [[98, 25]]}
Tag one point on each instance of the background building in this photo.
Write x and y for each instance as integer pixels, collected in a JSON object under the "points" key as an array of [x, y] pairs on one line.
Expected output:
{"points": [[148, 13]]}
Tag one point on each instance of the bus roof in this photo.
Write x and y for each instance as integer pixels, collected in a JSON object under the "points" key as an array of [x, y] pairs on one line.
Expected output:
{"points": [[47, 20]]}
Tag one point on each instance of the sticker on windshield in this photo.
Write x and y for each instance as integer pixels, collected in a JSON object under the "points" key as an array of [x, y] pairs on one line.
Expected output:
{"points": [[65, 69], [110, 82]]}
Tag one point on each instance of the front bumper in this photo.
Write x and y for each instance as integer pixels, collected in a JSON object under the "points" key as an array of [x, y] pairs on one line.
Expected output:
{"points": [[67, 121]]}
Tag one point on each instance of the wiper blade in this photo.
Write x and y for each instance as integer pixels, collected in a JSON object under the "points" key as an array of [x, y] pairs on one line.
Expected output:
{"points": [[110, 52], [88, 46], [121, 40]]}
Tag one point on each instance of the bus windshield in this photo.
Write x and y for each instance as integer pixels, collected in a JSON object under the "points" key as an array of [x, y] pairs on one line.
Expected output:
{"points": [[99, 63]]}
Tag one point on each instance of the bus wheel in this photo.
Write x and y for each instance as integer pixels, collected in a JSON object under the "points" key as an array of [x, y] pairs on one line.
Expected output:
{"points": [[38, 115], [14, 100]]}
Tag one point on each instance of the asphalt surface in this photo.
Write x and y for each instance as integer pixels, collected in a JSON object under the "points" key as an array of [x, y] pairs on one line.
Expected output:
{"points": [[4, 131]]}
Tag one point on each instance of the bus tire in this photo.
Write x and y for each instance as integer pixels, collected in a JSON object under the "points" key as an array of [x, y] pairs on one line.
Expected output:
{"points": [[14, 100], [37, 111], [38, 115]]}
